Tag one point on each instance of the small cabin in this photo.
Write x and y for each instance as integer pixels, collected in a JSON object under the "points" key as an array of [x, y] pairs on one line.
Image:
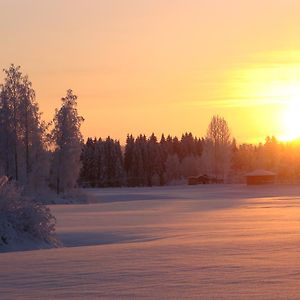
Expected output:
{"points": [[259, 177], [204, 179]]}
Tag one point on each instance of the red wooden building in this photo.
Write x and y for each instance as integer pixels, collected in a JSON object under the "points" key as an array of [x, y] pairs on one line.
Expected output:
{"points": [[259, 177]]}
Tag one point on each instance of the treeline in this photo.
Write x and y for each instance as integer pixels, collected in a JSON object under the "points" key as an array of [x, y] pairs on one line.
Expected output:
{"points": [[143, 162], [280, 157], [147, 161], [102, 163]]}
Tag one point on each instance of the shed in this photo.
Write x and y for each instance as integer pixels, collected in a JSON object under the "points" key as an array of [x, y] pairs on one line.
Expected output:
{"points": [[201, 179], [258, 177]]}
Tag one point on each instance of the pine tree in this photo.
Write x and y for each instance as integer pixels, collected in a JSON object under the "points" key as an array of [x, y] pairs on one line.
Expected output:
{"points": [[99, 163], [87, 158], [110, 161], [154, 163], [119, 165], [141, 160], [129, 160]]}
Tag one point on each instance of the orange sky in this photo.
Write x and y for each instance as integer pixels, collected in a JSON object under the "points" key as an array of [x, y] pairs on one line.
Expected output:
{"points": [[160, 66]]}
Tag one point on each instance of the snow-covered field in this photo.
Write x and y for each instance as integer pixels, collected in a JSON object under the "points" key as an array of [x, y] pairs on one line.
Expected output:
{"points": [[200, 242]]}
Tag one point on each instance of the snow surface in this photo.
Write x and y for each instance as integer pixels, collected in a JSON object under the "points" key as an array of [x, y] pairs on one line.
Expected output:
{"points": [[189, 242]]}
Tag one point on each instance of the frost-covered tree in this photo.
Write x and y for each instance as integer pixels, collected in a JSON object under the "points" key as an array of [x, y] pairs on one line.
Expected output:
{"points": [[7, 138], [190, 166], [22, 131], [218, 134], [172, 166], [24, 220], [67, 143], [207, 158]]}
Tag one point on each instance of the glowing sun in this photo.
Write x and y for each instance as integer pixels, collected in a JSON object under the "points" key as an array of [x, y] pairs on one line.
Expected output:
{"points": [[269, 89]]}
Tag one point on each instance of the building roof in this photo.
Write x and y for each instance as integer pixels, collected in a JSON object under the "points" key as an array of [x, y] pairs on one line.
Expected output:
{"points": [[260, 172]]}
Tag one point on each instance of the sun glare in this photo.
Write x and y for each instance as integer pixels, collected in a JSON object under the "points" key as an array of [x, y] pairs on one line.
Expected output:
{"points": [[270, 90], [290, 118]]}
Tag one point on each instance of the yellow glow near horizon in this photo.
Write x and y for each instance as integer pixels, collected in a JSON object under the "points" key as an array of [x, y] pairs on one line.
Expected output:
{"points": [[157, 66], [269, 89], [291, 119]]}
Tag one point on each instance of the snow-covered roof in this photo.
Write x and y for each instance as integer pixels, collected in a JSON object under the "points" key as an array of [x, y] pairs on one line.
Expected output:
{"points": [[261, 172]]}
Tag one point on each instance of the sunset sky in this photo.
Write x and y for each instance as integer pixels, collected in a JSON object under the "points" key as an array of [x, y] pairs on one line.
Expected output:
{"points": [[162, 66]]}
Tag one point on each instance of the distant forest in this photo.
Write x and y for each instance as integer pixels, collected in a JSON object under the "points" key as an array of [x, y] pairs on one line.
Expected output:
{"points": [[169, 160], [54, 155]]}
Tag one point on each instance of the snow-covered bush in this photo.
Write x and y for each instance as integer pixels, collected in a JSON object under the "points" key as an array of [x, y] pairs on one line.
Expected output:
{"points": [[24, 222]]}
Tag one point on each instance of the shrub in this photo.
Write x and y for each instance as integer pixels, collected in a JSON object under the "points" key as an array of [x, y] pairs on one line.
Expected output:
{"points": [[24, 220]]}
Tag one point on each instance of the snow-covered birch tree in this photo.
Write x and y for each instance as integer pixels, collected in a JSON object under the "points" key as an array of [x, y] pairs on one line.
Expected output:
{"points": [[22, 131], [218, 134], [67, 145]]}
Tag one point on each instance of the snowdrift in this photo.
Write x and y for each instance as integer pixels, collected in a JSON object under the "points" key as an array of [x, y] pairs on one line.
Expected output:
{"points": [[24, 223]]}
